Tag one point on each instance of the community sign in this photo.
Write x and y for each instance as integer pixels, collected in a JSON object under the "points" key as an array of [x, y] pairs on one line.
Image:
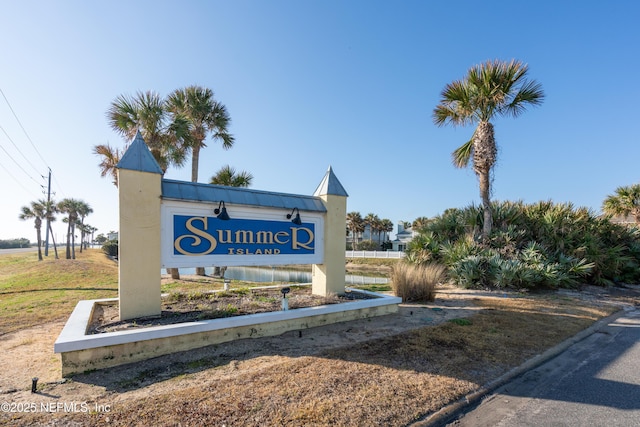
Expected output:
{"points": [[194, 236]]}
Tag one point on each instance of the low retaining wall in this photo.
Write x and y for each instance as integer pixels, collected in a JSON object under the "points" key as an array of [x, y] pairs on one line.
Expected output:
{"points": [[81, 352]]}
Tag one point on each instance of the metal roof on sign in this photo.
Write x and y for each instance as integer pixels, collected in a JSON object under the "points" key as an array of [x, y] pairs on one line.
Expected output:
{"points": [[193, 191], [139, 158], [330, 185]]}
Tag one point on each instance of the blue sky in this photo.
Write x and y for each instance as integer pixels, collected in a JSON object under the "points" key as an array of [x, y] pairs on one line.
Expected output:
{"points": [[308, 84]]}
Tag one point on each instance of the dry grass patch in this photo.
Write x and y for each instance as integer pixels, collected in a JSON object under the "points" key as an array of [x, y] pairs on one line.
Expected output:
{"points": [[390, 381], [413, 282]]}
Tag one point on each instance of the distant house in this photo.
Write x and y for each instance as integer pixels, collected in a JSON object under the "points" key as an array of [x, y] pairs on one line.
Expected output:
{"points": [[403, 237], [112, 236], [360, 237], [366, 235]]}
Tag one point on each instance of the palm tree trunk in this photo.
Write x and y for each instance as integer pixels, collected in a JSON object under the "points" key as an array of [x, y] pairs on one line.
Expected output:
{"points": [[68, 254], [39, 236], [195, 160], [55, 248], [484, 157], [486, 204], [73, 243]]}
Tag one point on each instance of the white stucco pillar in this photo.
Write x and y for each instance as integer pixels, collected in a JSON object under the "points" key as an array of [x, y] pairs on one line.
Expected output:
{"points": [[329, 277], [140, 190]]}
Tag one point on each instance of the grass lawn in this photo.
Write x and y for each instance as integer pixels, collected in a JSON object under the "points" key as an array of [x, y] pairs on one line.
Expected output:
{"points": [[33, 292]]}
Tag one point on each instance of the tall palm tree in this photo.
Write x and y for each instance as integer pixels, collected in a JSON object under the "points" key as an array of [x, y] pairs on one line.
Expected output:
{"points": [[229, 177], [625, 201], [168, 140], [83, 211], [386, 227], [372, 221], [206, 117], [37, 212], [355, 224], [73, 208], [490, 89]]}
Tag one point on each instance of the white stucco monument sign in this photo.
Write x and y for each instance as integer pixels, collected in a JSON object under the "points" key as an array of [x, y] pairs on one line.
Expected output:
{"points": [[172, 224]]}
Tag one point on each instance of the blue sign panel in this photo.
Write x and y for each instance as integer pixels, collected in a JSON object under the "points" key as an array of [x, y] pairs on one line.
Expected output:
{"points": [[204, 235]]}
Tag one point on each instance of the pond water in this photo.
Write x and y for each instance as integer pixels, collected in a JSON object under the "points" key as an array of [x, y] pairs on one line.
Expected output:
{"points": [[266, 274]]}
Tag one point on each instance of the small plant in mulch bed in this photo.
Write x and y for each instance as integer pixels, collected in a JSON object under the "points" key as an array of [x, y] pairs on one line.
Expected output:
{"points": [[461, 322], [226, 311]]}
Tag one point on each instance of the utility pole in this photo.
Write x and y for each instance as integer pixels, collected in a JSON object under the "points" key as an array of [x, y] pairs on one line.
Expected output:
{"points": [[46, 241]]}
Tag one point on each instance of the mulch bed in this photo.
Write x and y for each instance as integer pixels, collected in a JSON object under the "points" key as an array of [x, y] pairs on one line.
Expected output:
{"points": [[184, 307]]}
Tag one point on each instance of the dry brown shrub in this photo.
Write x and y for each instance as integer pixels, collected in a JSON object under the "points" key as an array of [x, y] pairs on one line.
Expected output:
{"points": [[416, 282]]}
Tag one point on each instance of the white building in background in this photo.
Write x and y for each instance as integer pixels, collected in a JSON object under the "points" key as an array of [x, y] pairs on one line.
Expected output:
{"points": [[403, 237], [399, 243]]}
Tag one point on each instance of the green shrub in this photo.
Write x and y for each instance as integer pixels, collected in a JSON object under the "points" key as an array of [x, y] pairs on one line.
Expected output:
{"points": [[542, 245], [471, 272], [368, 245], [111, 248]]}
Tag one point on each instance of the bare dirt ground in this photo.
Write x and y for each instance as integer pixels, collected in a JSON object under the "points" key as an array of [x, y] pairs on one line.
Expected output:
{"points": [[29, 353]]}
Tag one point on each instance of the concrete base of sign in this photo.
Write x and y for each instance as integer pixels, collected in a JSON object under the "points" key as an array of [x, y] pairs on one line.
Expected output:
{"points": [[81, 352]]}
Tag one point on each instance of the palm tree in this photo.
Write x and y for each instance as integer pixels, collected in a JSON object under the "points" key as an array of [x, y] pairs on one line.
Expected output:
{"points": [[228, 176], [83, 211], [86, 231], [625, 201], [110, 158], [73, 208], [168, 140], [371, 220], [37, 212], [205, 116], [491, 89], [355, 224], [51, 208], [386, 226]]}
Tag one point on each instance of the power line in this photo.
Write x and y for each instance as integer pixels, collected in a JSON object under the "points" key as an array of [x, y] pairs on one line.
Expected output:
{"points": [[32, 144], [16, 147], [17, 181], [23, 129], [18, 164]]}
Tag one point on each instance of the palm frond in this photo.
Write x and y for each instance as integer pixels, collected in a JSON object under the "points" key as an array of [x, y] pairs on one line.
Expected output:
{"points": [[462, 155]]}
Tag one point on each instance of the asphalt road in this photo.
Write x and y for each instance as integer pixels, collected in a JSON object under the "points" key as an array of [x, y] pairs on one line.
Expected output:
{"points": [[18, 250], [595, 382]]}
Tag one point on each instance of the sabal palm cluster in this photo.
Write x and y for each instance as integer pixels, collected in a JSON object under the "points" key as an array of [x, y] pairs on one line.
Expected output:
{"points": [[356, 225], [541, 245], [173, 127], [624, 202], [46, 210]]}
